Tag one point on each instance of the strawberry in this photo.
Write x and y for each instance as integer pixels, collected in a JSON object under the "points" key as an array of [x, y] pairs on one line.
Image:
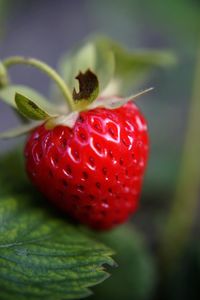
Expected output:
{"points": [[94, 170], [87, 157]]}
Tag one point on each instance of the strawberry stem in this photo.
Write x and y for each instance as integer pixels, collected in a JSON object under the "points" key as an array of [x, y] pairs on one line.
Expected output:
{"points": [[4, 80], [15, 60]]}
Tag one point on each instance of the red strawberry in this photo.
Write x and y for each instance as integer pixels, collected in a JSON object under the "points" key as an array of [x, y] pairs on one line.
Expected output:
{"points": [[94, 171]]}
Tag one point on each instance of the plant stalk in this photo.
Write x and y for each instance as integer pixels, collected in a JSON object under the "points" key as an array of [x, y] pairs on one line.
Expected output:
{"points": [[15, 60], [183, 212]]}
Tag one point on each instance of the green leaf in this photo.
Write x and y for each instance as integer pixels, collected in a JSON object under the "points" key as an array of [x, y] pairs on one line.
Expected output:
{"points": [[119, 70], [41, 255], [133, 67], [12, 133], [7, 94], [30, 109], [94, 56], [135, 278]]}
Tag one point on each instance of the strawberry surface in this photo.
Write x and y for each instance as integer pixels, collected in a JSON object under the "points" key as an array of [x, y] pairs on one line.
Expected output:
{"points": [[94, 171]]}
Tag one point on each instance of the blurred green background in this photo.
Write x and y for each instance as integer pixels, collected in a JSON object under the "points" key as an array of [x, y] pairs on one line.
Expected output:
{"points": [[46, 30]]}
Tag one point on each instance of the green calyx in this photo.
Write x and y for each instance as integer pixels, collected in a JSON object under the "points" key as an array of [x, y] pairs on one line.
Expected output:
{"points": [[35, 107], [102, 69]]}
